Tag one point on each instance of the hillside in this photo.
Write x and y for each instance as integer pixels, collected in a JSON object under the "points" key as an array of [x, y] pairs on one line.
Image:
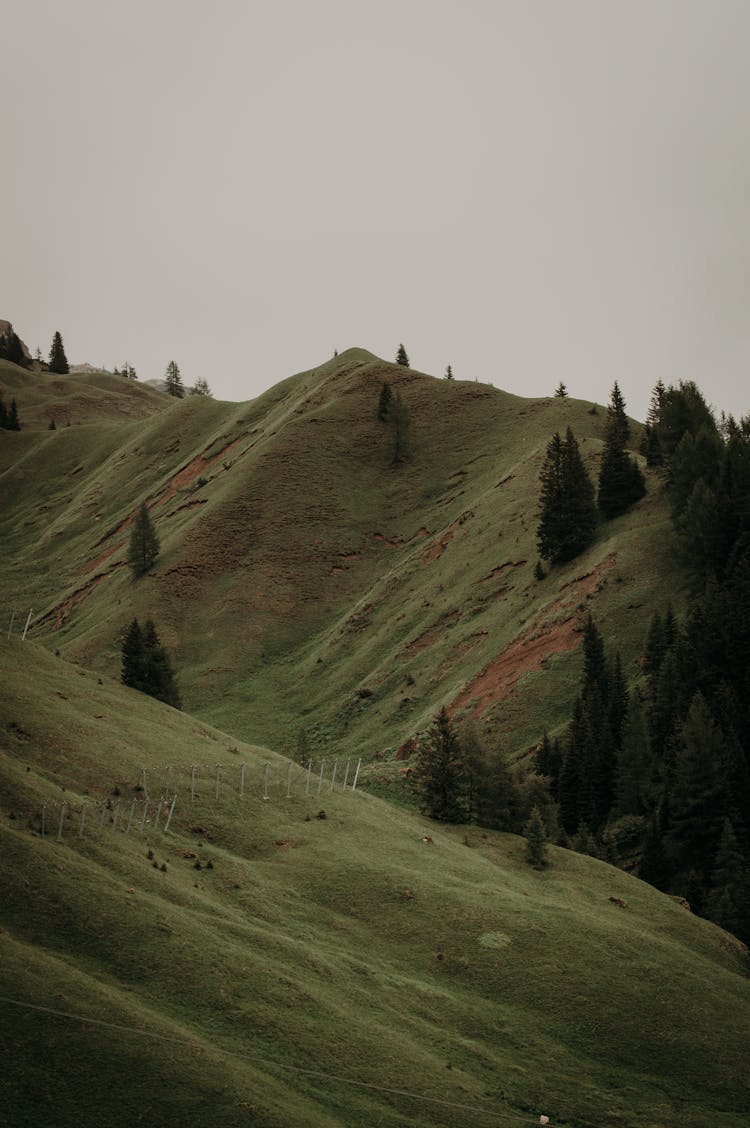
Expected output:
{"points": [[321, 969], [307, 581]]}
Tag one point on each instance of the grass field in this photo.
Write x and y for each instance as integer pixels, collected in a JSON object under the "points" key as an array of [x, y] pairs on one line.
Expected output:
{"points": [[265, 965], [319, 953]]}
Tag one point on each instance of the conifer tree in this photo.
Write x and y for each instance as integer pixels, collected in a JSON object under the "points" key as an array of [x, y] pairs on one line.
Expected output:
{"points": [[449, 373], [727, 880], [173, 381], [536, 840], [133, 658], [561, 392], [440, 772], [159, 676], [144, 544], [401, 356], [58, 362], [567, 515], [621, 482]]}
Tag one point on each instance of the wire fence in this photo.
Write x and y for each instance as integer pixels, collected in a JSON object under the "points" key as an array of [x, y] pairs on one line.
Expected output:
{"points": [[13, 621], [183, 789]]}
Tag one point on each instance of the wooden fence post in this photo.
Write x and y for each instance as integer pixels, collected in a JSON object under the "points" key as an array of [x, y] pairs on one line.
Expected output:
{"points": [[171, 812], [130, 817]]}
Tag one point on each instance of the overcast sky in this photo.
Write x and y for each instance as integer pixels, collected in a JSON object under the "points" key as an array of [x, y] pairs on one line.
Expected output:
{"points": [[529, 190]]}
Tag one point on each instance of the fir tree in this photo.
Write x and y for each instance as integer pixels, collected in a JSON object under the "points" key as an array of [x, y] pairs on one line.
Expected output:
{"points": [[621, 482], [158, 673], [440, 772], [144, 544], [173, 381], [449, 373], [567, 515], [133, 658], [401, 357], [536, 840], [57, 360], [723, 904], [695, 795], [561, 392]]}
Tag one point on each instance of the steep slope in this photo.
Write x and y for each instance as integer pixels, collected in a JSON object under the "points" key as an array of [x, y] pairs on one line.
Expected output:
{"points": [[307, 580], [322, 969]]}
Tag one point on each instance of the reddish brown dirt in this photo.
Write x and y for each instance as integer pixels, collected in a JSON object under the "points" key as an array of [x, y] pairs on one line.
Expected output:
{"points": [[193, 470], [59, 614], [438, 547], [181, 479], [428, 637], [537, 642], [500, 570]]}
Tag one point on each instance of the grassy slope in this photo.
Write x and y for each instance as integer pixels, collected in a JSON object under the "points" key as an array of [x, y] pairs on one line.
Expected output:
{"points": [[299, 566], [345, 945]]}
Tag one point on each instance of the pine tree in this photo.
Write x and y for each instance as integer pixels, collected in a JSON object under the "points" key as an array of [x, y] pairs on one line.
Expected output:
{"points": [[401, 357], [567, 515], [173, 381], [536, 840], [159, 675], [561, 392], [621, 482], [695, 795], [133, 658], [58, 362], [727, 879], [385, 402], [144, 544], [449, 373], [440, 772]]}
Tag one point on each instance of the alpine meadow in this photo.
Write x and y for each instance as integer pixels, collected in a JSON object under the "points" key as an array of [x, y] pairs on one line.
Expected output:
{"points": [[372, 752]]}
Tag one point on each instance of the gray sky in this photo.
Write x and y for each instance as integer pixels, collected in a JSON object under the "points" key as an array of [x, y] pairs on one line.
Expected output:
{"points": [[530, 190]]}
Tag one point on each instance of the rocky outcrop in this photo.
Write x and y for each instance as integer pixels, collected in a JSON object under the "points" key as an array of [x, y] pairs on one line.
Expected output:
{"points": [[12, 347]]}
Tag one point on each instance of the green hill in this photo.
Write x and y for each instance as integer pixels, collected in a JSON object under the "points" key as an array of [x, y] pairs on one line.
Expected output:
{"points": [[321, 968], [307, 581]]}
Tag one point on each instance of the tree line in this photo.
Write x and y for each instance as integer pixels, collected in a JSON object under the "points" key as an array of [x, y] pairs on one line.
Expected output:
{"points": [[657, 776]]}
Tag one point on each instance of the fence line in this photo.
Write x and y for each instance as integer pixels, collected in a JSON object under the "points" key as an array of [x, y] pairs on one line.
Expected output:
{"points": [[165, 806], [12, 621]]}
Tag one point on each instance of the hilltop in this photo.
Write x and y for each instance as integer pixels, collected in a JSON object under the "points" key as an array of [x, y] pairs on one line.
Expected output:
{"points": [[307, 581]]}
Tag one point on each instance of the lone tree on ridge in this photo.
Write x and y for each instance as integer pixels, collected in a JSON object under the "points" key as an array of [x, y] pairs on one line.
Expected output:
{"points": [[144, 544], [58, 362]]}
